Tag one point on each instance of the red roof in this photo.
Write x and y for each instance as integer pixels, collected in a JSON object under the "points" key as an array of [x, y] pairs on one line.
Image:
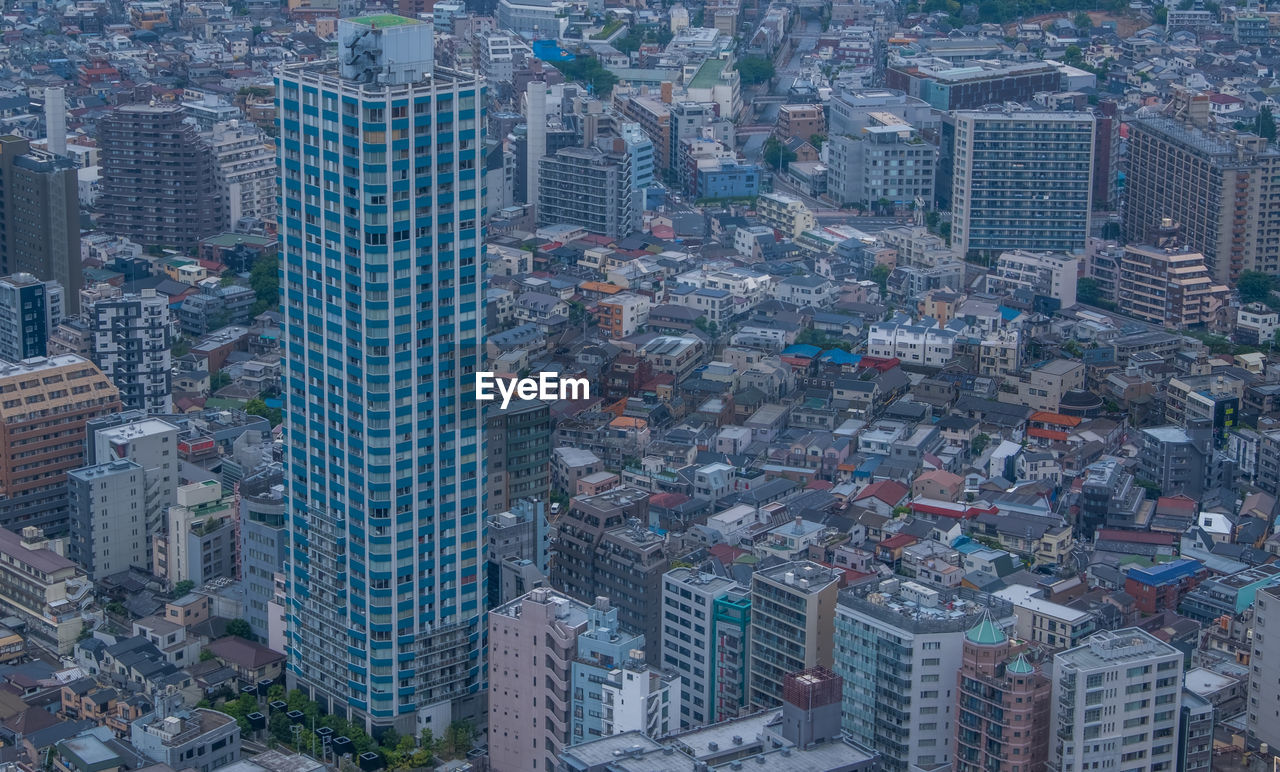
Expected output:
{"points": [[888, 491], [725, 553], [1046, 434], [901, 540], [820, 485], [668, 500], [1137, 537], [1044, 416], [1180, 504]]}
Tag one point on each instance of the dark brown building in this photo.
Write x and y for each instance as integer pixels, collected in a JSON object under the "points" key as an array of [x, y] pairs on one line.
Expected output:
{"points": [[159, 180], [44, 404], [40, 204]]}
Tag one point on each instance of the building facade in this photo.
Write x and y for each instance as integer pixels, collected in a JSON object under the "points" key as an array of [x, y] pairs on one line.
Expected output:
{"points": [[108, 518], [1116, 703], [1022, 180], [1002, 710], [133, 343], [159, 178], [385, 442], [1169, 286], [40, 211], [792, 610], [519, 460], [699, 636], [590, 187], [30, 309]]}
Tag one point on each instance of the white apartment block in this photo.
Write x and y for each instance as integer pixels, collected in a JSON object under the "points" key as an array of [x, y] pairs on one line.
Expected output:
{"points": [[922, 343], [1051, 274]]}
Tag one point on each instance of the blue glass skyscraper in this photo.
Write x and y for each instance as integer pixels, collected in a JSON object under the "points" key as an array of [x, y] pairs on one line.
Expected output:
{"points": [[380, 211]]}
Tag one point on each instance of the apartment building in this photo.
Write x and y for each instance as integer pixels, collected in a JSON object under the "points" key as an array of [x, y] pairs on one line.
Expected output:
{"points": [[1116, 704], [1022, 180], [704, 641], [108, 529], [1002, 705], [519, 460], [589, 187], [132, 343], [785, 213], [199, 738], [881, 163], [44, 405], [792, 610], [245, 167], [1044, 274], [1043, 387], [623, 314], [45, 590], [801, 121], [40, 212], [922, 343], [1175, 167], [1169, 286], [200, 543], [898, 646], [1263, 706], [30, 310]]}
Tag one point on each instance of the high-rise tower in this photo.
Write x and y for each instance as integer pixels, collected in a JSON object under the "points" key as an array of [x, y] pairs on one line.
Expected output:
{"points": [[380, 210]]}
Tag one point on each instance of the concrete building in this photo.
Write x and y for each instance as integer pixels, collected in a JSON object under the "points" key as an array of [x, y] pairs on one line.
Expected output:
{"points": [[898, 647], [199, 544], [152, 444], [264, 545], [705, 643], [1263, 705], [1022, 180], [132, 343], [920, 343], [72, 391], [108, 518], [1174, 168], [800, 121], [1137, 676], [159, 178], [1169, 286], [532, 645], [622, 315], [1195, 736], [1048, 276], [613, 689], [518, 557], [199, 738], [590, 187], [40, 211], [437, 480], [792, 610], [1002, 706], [787, 214], [946, 86], [245, 167], [881, 163], [1043, 387], [519, 460], [44, 590], [1256, 324], [30, 310]]}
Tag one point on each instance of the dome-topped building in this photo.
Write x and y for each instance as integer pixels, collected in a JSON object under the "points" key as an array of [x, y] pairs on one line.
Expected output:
{"points": [[1002, 718]]}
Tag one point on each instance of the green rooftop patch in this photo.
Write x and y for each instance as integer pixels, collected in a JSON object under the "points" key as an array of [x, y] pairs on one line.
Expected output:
{"points": [[384, 20]]}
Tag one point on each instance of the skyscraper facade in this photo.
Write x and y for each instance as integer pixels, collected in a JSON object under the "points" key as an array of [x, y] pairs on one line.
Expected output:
{"points": [[40, 215], [379, 222]]}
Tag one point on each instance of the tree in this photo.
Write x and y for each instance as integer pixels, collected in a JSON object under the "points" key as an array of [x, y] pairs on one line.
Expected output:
{"points": [[183, 587], [206, 655], [218, 380], [776, 154], [588, 70], [1073, 55], [1254, 286], [258, 407], [264, 280], [1083, 22], [817, 140], [880, 275], [980, 444], [1265, 124], [755, 69], [240, 628], [706, 326]]}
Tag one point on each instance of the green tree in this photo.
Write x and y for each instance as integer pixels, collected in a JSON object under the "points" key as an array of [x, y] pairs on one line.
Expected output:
{"points": [[1160, 15], [776, 154], [264, 280], [817, 140], [183, 587], [1083, 22], [755, 69], [1265, 124], [979, 444], [218, 380], [706, 326], [258, 407], [181, 347], [880, 275], [1073, 55], [588, 70], [1254, 286], [206, 655], [240, 628]]}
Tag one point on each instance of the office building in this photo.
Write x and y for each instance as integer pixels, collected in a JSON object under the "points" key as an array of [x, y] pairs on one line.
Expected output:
{"points": [[396, 638], [1263, 705], [792, 610], [159, 178], [1218, 188], [264, 545], [519, 460], [1228, 596], [151, 443], [1169, 286], [580, 533], [1002, 706], [589, 187], [1195, 735], [1116, 703], [1106, 156], [518, 556], [47, 592], [800, 121], [132, 344], [881, 163], [976, 84], [1022, 180], [898, 646], [40, 212], [30, 309], [629, 563], [71, 391], [108, 531], [246, 172], [705, 642]]}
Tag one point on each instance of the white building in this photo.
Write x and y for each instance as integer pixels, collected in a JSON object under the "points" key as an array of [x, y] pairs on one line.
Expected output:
{"points": [[1050, 274], [1263, 705], [1116, 704], [246, 171], [150, 443], [638, 699], [690, 639], [1256, 324], [923, 343], [108, 518]]}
